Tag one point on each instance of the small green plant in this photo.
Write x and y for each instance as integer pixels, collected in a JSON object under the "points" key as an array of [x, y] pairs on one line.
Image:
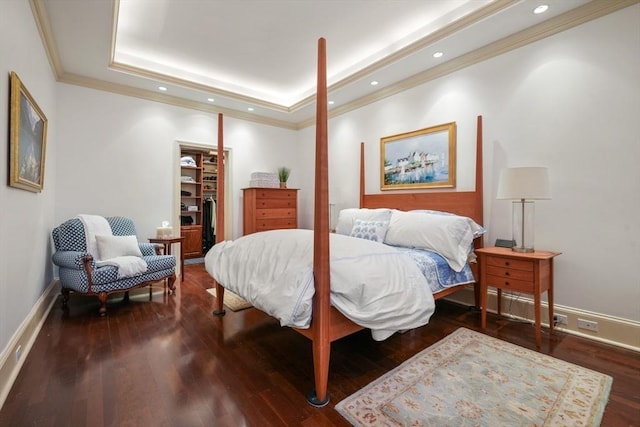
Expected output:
{"points": [[283, 174]]}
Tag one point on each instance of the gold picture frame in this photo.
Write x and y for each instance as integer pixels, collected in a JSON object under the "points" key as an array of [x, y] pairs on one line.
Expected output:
{"points": [[27, 139], [425, 158]]}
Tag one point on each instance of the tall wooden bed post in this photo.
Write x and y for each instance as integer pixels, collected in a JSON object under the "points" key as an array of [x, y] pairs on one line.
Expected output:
{"points": [[321, 302], [327, 324], [220, 225]]}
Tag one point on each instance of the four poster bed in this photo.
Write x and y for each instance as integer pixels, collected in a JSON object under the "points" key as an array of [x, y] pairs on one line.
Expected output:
{"points": [[399, 297]]}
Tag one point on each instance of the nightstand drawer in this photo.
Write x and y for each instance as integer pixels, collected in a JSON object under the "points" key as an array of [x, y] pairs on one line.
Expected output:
{"points": [[510, 284], [510, 273], [516, 264]]}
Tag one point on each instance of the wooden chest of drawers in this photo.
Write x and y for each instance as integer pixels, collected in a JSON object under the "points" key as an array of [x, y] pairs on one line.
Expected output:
{"points": [[269, 209]]}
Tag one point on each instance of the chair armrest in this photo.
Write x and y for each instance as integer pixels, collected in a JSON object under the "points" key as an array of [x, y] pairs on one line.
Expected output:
{"points": [[148, 249], [71, 259]]}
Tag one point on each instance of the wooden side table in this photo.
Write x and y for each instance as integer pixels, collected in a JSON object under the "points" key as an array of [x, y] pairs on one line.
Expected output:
{"points": [[167, 242], [530, 273]]}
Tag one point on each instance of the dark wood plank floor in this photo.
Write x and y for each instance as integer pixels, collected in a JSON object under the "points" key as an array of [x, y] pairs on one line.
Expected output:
{"points": [[168, 362]]}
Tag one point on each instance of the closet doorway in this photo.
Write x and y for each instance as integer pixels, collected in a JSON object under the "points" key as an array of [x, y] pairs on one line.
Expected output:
{"points": [[196, 201]]}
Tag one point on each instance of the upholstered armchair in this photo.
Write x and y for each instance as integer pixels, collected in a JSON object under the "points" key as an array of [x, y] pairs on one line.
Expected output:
{"points": [[80, 271]]}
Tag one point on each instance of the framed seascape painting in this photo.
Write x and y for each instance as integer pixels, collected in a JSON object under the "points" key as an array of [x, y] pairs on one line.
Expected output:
{"points": [[424, 158], [27, 139]]}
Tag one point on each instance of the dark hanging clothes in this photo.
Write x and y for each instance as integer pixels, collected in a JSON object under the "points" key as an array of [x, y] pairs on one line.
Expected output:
{"points": [[208, 238]]}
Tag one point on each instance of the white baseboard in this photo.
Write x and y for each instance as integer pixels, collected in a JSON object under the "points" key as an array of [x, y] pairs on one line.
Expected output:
{"points": [[24, 338], [611, 330]]}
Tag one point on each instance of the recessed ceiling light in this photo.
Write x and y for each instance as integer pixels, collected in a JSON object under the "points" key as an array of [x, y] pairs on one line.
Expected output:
{"points": [[162, 88], [331, 102], [438, 54], [250, 109], [540, 9], [210, 99], [373, 83]]}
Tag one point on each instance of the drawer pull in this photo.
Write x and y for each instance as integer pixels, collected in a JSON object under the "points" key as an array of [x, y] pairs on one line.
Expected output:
{"points": [[506, 273], [506, 263], [506, 283]]}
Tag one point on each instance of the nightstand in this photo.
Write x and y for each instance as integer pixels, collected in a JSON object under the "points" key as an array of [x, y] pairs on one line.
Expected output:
{"points": [[167, 242], [530, 273]]}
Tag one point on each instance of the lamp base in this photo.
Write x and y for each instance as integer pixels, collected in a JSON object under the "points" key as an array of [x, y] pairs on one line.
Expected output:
{"points": [[522, 226]]}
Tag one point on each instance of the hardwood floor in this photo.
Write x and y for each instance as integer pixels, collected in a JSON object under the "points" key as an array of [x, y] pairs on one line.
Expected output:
{"points": [[169, 362]]}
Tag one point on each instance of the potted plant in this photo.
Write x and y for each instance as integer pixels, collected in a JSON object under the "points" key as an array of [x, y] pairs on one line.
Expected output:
{"points": [[283, 176]]}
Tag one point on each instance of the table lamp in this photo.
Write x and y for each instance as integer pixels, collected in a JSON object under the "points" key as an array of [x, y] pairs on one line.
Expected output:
{"points": [[523, 185]]}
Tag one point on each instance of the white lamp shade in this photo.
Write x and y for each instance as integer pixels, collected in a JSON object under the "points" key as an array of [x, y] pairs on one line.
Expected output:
{"points": [[528, 183]]}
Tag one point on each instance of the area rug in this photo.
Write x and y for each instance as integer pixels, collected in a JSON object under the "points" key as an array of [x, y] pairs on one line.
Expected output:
{"points": [[231, 300], [471, 379]]}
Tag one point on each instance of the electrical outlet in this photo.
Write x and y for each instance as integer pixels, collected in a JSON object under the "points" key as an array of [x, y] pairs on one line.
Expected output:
{"points": [[589, 325], [560, 319], [18, 353]]}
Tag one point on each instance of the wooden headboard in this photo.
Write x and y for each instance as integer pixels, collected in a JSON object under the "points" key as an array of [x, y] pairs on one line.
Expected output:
{"points": [[465, 203]]}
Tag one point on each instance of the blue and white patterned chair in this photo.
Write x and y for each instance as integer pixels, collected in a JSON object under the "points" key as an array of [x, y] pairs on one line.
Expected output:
{"points": [[79, 273]]}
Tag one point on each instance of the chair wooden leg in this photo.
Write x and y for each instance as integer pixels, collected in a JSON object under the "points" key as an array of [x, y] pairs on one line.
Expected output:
{"points": [[102, 296], [171, 282], [65, 297]]}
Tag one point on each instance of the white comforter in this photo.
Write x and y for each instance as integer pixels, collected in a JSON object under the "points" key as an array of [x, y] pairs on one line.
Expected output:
{"points": [[374, 285]]}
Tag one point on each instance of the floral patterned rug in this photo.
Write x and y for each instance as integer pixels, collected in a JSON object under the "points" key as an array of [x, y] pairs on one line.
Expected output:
{"points": [[471, 379]]}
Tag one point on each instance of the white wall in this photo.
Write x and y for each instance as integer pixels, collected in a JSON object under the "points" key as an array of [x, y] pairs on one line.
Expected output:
{"points": [[26, 218], [119, 155], [570, 102]]}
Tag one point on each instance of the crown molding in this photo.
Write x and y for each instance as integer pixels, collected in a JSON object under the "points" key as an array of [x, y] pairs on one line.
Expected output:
{"points": [[41, 19], [210, 90], [105, 86], [570, 19], [414, 47]]}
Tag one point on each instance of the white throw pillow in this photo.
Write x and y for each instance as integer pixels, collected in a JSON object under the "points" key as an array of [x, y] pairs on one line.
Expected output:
{"points": [[448, 235], [370, 230], [114, 246], [476, 228], [347, 218]]}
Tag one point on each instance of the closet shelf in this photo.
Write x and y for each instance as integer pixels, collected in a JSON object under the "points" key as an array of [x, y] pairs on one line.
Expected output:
{"points": [[201, 188]]}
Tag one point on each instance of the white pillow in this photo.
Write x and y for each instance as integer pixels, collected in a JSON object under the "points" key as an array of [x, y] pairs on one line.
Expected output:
{"points": [[347, 218], [476, 228], [448, 235], [370, 230], [114, 246]]}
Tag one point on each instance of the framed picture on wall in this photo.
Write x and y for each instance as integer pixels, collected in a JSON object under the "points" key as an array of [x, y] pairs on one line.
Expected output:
{"points": [[27, 139], [424, 158]]}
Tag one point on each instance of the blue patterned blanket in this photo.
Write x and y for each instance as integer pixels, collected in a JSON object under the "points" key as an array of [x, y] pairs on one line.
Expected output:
{"points": [[436, 269]]}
